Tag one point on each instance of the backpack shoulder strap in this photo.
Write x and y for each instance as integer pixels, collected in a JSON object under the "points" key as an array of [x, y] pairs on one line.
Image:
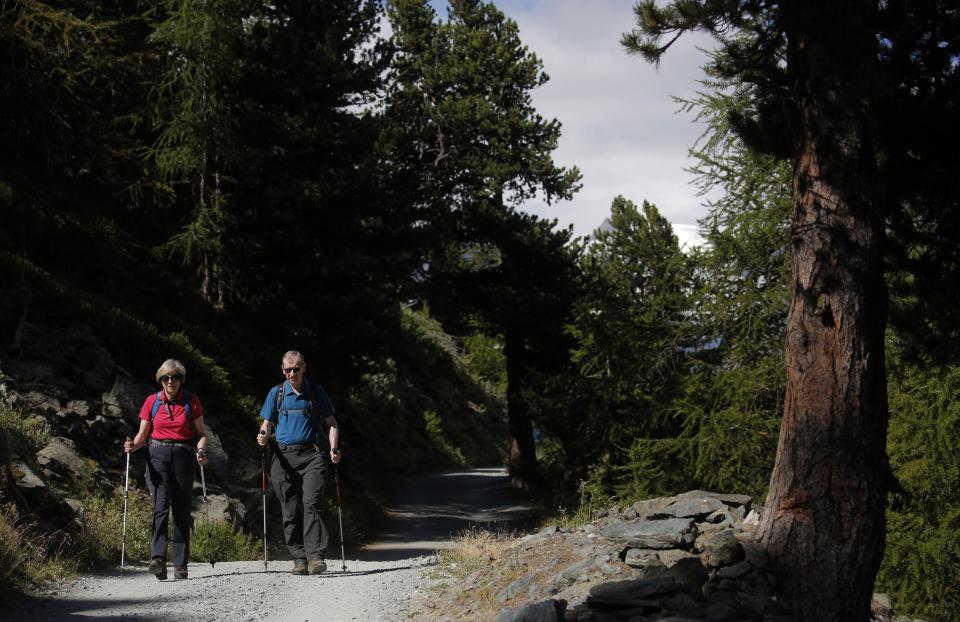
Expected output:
{"points": [[156, 404], [313, 399], [280, 396], [159, 396]]}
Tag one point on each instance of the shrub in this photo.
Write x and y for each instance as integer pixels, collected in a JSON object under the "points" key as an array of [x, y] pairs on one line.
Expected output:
{"points": [[218, 542], [98, 542], [27, 557]]}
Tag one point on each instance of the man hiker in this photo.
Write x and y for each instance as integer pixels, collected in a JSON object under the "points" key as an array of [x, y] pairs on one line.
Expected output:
{"points": [[298, 465]]}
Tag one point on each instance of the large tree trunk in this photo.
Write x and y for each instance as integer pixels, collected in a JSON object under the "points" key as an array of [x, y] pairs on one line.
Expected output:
{"points": [[523, 457], [824, 519]]}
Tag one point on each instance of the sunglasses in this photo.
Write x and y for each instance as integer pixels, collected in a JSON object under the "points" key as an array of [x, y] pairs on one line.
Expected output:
{"points": [[166, 379], [291, 370]]}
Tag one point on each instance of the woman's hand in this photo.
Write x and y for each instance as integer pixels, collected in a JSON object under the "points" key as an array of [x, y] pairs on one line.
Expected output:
{"points": [[201, 455], [131, 446]]}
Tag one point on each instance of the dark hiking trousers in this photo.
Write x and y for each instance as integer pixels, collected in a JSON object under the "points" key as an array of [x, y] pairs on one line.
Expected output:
{"points": [[170, 473], [299, 475]]}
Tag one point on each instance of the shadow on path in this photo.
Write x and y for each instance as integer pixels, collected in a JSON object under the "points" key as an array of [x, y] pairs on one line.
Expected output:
{"points": [[426, 512]]}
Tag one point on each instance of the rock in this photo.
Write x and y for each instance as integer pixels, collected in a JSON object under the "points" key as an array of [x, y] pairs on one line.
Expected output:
{"points": [[697, 508], [672, 557], [881, 609], [638, 558], [573, 573], [217, 458], [513, 589], [219, 508], [634, 589], [544, 611], [719, 549], [752, 520], [689, 573], [75, 505], [75, 353], [60, 455], [652, 534], [735, 571], [33, 373], [37, 403], [38, 496], [124, 398]]}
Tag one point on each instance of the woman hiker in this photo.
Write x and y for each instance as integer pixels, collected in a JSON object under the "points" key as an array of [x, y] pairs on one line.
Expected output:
{"points": [[171, 423]]}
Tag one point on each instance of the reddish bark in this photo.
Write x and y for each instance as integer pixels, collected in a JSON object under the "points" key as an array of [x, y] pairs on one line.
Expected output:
{"points": [[824, 519]]}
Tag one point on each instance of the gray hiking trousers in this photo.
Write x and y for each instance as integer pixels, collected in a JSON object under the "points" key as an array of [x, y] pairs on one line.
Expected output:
{"points": [[299, 475]]}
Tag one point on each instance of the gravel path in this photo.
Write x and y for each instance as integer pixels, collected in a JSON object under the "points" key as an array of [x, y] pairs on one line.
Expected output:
{"points": [[377, 584]]}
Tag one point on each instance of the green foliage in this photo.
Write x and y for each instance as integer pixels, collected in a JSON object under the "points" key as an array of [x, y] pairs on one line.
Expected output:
{"points": [[434, 427], [630, 349], [26, 435], [218, 541], [28, 557], [486, 360], [195, 146], [98, 541], [921, 568]]}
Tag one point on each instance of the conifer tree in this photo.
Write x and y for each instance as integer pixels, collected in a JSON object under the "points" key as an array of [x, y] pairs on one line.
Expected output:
{"points": [[830, 83], [479, 149], [630, 342], [196, 149]]}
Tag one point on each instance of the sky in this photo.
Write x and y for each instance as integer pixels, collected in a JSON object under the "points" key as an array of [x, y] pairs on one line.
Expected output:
{"points": [[621, 127]]}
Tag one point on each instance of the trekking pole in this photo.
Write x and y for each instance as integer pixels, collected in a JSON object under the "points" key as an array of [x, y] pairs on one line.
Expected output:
{"points": [[123, 531], [336, 479], [206, 511], [263, 496]]}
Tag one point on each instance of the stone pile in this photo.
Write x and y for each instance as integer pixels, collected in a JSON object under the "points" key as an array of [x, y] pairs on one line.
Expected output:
{"points": [[687, 557]]}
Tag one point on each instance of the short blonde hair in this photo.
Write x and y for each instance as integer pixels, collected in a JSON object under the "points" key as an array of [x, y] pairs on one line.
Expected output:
{"points": [[171, 367]]}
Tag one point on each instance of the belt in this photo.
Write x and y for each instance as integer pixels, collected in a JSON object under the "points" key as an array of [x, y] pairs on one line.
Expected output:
{"points": [[296, 447], [168, 442]]}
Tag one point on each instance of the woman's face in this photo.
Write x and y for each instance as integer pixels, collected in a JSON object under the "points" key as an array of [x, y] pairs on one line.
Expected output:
{"points": [[171, 385]]}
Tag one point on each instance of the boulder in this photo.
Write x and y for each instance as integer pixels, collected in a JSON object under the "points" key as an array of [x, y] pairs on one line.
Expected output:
{"points": [[720, 548], [35, 492], [124, 398], [61, 456], [652, 534], [218, 508]]}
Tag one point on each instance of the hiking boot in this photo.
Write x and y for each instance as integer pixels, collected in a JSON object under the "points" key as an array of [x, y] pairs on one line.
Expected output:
{"points": [[179, 572], [316, 566], [158, 566], [299, 567]]}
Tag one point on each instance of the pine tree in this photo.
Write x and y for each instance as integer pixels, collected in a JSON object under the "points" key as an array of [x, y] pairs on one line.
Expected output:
{"points": [[829, 81], [196, 148], [475, 150], [629, 352]]}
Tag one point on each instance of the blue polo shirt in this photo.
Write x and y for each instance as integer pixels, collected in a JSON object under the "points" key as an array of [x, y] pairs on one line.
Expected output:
{"points": [[294, 421]]}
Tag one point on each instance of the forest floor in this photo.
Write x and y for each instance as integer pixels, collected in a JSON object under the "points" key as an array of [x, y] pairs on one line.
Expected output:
{"points": [[424, 514]]}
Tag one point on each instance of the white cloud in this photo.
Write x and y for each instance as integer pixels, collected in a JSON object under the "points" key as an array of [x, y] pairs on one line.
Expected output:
{"points": [[620, 123]]}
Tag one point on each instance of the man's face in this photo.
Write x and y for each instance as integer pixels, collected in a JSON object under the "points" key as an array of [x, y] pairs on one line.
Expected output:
{"points": [[293, 369]]}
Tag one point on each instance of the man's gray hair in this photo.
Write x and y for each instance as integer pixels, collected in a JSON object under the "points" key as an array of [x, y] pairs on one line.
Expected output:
{"points": [[294, 353]]}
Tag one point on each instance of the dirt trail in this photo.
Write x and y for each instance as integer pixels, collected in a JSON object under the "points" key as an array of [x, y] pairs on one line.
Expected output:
{"points": [[423, 515]]}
